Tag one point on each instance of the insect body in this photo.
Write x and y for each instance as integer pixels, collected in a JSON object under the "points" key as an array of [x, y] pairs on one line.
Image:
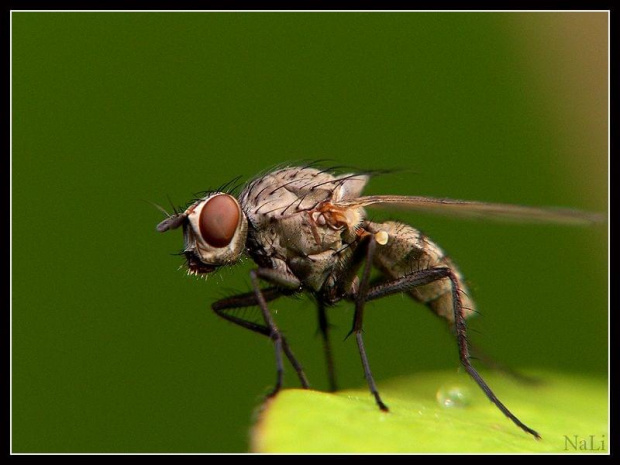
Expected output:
{"points": [[307, 231]]}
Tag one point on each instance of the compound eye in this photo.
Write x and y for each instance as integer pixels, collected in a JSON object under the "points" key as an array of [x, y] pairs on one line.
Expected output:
{"points": [[219, 220]]}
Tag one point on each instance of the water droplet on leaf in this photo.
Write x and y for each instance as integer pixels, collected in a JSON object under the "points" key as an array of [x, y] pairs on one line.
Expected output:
{"points": [[453, 396]]}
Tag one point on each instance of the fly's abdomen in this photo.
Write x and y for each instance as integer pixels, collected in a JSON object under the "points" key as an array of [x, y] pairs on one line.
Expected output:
{"points": [[408, 250]]}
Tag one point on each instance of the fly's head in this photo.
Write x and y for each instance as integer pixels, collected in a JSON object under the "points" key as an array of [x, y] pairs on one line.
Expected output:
{"points": [[214, 229]]}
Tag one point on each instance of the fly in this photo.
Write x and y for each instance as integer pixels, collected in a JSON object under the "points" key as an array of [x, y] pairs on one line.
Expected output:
{"points": [[307, 231]]}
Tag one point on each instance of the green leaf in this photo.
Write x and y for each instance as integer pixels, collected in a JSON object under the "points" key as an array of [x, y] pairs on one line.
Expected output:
{"points": [[569, 412]]}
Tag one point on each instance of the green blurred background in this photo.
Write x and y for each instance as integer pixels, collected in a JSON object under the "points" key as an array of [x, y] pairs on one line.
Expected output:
{"points": [[116, 350]]}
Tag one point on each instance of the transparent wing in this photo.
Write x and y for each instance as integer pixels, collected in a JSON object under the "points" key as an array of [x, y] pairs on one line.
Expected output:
{"points": [[483, 210]]}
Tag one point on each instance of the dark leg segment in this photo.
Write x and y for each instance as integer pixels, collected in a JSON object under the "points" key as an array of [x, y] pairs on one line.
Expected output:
{"points": [[274, 332], [478, 354], [360, 299], [427, 276], [254, 299], [327, 349]]}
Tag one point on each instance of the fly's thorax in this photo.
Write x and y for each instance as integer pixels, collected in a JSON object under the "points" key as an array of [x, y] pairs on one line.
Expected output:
{"points": [[293, 219], [215, 232], [308, 250]]}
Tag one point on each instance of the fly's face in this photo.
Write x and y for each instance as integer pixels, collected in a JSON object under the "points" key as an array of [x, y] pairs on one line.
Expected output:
{"points": [[214, 228], [215, 233]]}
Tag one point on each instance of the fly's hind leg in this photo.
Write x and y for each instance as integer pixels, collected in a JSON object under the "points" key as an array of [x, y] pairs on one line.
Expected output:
{"points": [[259, 297], [443, 308], [490, 362], [421, 278], [475, 352]]}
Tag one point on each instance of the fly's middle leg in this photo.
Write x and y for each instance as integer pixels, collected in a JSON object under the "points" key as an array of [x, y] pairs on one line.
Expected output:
{"points": [[327, 348], [368, 245]]}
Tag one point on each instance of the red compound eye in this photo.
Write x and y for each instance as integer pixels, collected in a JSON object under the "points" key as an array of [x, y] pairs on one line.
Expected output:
{"points": [[219, 219]]}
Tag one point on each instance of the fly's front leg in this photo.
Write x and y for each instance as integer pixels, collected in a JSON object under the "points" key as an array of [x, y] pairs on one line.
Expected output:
{"points": [[368, 245], [274, 332], [259, 297], [420, 278]]}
